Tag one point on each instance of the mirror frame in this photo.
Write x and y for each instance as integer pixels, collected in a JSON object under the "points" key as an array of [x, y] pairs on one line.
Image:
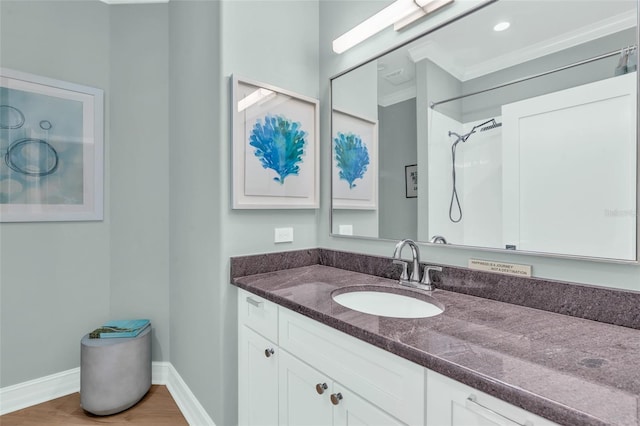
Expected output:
{"points": [[479, 248]]}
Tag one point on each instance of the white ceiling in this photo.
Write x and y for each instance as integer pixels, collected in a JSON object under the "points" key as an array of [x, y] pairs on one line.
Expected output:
{"points": [[470, 48]]}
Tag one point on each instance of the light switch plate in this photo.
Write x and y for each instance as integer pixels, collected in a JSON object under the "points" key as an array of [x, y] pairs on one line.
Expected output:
{"points": [[283, 235]]}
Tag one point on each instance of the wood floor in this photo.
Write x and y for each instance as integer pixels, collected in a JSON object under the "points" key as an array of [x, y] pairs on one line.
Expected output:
{"points": [[155, 409]]}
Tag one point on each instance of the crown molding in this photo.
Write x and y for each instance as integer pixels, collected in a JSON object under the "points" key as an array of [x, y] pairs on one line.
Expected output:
{"points": [[397, 96], [432, 51]]}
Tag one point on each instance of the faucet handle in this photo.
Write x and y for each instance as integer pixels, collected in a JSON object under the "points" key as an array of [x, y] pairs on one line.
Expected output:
{"points": [[404, 276], [426, 278]]}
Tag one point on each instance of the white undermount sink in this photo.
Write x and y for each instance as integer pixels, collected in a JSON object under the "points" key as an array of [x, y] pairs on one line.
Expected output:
{"points": [[376, 301]]}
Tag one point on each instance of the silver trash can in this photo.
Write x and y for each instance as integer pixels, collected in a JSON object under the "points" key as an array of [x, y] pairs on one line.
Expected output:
{"points": [[115, 373]]}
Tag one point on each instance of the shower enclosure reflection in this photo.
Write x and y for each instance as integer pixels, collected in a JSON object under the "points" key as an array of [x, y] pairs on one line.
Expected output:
{"points": [[526, 139], [547, 179]]}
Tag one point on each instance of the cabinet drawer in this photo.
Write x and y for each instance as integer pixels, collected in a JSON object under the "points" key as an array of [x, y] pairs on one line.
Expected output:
{"points": [[452, 403], [392, 383], [258, 314]]}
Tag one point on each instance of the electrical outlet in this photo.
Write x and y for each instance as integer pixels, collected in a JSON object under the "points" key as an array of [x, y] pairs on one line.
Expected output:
{"points": [[345, 229], [283, 235]]}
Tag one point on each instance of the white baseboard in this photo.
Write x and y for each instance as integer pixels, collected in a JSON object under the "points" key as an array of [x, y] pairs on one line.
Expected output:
{"points": [[32, 392], [160, 372], [26, 394], [191, 408], [163, 373]]}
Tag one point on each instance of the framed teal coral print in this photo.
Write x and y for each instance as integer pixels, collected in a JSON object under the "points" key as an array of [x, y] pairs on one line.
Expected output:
{"points": [[275, 161], [355, 162]]}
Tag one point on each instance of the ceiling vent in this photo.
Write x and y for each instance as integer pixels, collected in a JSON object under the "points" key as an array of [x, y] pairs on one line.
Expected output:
{"points": [[397, 77]]}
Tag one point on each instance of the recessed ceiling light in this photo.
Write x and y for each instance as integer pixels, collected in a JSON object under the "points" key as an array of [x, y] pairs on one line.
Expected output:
{"points": [[501, 26]]}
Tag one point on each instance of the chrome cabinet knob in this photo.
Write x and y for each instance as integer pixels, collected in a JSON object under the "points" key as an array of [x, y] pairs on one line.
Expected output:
{"points": [[335, 398], [321, 387], [268, 352]]}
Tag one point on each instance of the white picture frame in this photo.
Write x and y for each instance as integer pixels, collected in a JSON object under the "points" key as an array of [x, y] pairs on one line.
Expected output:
{"points": [[51, 149], [275, 147], [354, 185]]}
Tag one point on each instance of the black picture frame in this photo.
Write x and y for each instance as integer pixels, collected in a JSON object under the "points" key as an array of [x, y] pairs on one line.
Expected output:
{"points": [[411, 181]]}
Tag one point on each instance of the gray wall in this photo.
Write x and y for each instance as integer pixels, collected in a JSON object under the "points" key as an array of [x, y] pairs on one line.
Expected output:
{"points": [[77, 275], [53, 273], [275, 42], [159, 253], [442, 85], [198, 302], [139, 146], [397, 146]]}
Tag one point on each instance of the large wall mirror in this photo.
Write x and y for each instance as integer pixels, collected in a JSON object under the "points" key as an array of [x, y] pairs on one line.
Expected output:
{"points": [[520, 138]]}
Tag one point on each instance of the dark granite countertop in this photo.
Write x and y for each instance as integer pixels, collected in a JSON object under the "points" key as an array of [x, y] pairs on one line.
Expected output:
{"points": [[569, 370]]}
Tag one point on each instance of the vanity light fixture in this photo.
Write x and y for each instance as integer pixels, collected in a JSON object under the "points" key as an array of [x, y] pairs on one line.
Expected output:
{"points": [[400, 13], [259, 95], [426, 7], [501, 26]]}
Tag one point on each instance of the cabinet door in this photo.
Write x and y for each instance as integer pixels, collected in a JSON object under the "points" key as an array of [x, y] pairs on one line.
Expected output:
{"points": [[380, 377], [257, 379], [451, 403], [300, 403], [352, 410]]}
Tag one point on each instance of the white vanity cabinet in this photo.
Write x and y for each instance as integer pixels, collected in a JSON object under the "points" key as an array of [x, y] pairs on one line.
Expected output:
{"points": [[296, 371], [451, 403]]}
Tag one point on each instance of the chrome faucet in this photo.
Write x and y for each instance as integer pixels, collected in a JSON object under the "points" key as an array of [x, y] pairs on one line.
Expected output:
{"points": [[414, 280], [438, 239]]}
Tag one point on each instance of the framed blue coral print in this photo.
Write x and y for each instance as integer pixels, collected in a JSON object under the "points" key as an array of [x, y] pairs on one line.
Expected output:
{"points": [[275, 148], [354, 162]]}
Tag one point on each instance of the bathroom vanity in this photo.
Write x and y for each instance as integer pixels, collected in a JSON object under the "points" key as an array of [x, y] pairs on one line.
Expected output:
{"points": [[326, 377], [305, 359]]}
